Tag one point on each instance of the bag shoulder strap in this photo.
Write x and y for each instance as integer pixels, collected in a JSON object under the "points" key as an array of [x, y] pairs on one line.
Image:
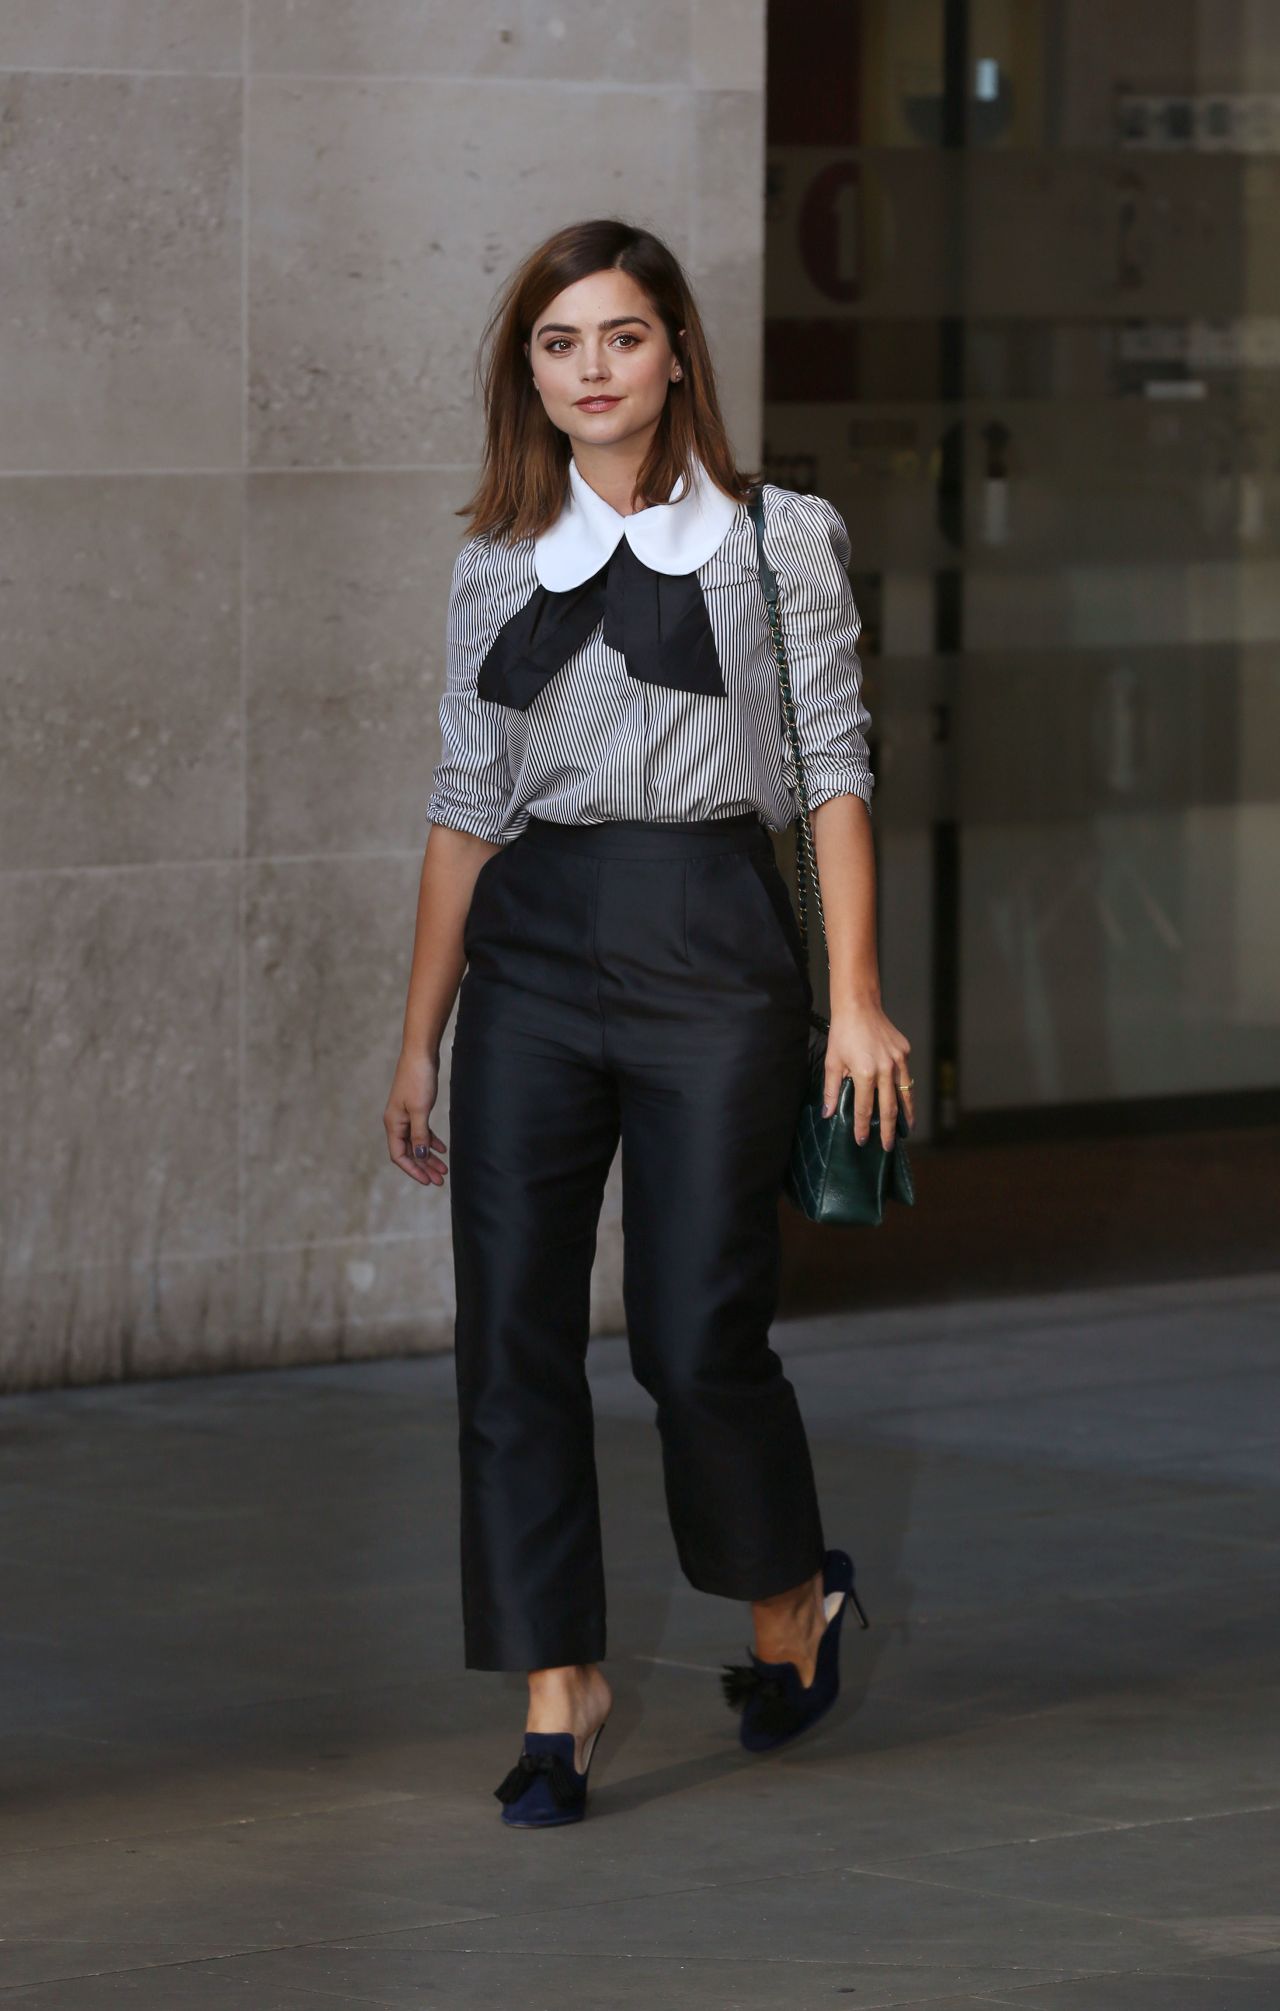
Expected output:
{"points": [[805, 851]]}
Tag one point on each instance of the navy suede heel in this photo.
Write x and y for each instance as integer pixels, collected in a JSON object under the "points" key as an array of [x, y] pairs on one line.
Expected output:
{"points": [[774, 1703], [544, 1788]]}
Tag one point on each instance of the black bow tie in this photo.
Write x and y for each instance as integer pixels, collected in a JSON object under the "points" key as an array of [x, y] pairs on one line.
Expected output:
{"points": [[657, 621]]}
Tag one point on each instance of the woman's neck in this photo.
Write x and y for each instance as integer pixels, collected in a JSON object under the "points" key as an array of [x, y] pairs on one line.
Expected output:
{"points": [[612, 471]]}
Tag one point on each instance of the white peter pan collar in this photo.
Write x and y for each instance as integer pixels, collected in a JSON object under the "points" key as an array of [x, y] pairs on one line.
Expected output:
{"points": [[670, 537]]}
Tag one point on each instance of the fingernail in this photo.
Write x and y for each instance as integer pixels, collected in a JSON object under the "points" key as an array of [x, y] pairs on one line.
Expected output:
{"points": [[419, 1151]]}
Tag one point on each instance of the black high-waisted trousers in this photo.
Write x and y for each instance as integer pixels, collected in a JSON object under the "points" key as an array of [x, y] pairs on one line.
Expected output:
{"points": [[643, 982]]}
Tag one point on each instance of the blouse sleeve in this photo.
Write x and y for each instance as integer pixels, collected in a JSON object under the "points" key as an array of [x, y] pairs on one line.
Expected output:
{"points": [[809, 551], [471, 783]]}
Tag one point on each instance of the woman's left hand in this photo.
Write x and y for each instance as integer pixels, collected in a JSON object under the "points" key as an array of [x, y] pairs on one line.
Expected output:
{"points": [[864, 1043]]}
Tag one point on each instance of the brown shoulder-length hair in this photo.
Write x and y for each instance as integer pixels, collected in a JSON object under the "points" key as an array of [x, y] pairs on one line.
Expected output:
{"points": [[525, 471]]}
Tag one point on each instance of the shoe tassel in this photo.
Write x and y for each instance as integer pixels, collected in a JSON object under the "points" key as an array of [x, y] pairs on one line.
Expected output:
{"points": [[564, 1788], [772, 1709]]}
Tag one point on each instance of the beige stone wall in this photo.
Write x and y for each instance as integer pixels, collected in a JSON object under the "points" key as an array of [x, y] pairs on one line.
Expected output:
{"points": [[249, 249]]}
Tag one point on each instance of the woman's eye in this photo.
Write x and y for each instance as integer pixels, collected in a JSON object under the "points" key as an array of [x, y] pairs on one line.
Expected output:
{"points": [[559, 343]]}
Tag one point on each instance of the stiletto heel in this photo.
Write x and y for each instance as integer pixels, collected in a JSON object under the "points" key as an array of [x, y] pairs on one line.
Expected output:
{"points": [[774, 1703], [544, 1788]]}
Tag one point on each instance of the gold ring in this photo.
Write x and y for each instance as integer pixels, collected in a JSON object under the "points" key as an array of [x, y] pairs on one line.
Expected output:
{"points": [[906, 1082]]}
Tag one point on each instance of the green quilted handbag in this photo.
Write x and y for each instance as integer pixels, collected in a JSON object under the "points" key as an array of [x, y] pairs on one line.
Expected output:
{"points": [[829, 1176]]}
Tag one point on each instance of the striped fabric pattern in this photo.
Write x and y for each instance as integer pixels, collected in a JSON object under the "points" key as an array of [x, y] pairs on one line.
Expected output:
{"points": [[597, 743]]}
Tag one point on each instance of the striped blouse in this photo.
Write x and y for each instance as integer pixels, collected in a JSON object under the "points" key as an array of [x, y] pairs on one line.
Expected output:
{"points": [[592, 738]]}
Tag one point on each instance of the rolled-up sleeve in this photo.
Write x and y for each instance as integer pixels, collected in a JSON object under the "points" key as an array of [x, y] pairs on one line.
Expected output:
{"points": [[808, 547], [471, 783]]}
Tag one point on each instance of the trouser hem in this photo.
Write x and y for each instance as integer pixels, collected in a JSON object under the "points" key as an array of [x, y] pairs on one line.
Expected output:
{"points": [[511, 1661], [754, 1582]]}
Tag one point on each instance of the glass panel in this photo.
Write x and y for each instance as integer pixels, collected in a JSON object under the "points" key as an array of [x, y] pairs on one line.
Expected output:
{"points": [[1023, 328]]}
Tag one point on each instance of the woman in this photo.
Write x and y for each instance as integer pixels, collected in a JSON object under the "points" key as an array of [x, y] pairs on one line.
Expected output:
{"points": [[599, 865]]}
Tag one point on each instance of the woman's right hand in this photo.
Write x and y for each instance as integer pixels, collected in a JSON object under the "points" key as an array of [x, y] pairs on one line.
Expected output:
{"points": [[413, 1145]]}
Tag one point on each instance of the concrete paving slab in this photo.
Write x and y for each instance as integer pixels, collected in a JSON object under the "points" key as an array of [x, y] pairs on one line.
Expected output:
{"points": [[1166, 1990], [1123, 1758], [931, 1937], [401, 1978], [1210, 1876]]}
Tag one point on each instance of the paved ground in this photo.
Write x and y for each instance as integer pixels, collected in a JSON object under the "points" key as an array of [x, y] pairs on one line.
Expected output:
{"points": [[243, 1766]]}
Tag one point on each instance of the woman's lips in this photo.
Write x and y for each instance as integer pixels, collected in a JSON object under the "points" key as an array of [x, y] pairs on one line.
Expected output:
{"points": [[595, 404]]}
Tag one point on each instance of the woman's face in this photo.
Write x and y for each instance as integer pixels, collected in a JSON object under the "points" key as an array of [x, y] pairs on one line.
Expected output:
{"points": [[601, 360]]}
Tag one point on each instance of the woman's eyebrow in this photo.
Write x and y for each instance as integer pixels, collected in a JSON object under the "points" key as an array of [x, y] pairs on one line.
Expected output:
{"points": [[567, 328]]}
